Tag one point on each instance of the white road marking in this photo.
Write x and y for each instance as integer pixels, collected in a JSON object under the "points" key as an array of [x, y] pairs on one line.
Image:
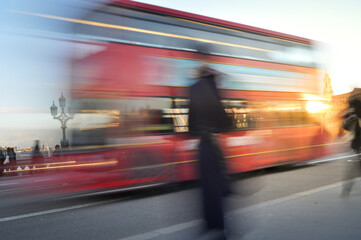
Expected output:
{"points": [[198, 222], [285, 199], [186, 225], [42, 180], [27, 189], [166, 230], [34, 214], [109, 191], [331, 159], [7, 184]]}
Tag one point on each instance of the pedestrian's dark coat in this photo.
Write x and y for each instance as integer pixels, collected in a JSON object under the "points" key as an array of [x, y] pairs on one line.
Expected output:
{"points": [[12, 158], [206, 117], [2, 160], [352, 121], [206, 112]]}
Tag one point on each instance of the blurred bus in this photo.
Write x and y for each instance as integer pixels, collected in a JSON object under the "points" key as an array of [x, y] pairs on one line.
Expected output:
{"points": [[132, 68]]}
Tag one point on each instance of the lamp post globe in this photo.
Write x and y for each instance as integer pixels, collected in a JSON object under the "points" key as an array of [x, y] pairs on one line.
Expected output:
{"points": [[63, 117], [54, 110], [62, 101]]}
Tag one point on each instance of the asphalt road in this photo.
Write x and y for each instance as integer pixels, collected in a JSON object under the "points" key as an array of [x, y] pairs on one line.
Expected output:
{"points": [[122, 215]]}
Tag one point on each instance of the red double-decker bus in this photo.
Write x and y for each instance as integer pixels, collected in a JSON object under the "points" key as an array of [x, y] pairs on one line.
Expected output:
{"points": [[132, 68]]}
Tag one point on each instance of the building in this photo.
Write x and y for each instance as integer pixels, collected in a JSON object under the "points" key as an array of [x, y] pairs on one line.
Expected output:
{"points": [[327, 87], [339, 102]]}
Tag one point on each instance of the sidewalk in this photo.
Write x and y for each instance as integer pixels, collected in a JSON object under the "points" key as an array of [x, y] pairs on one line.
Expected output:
{"points": [[318, 214], [314, 215]]}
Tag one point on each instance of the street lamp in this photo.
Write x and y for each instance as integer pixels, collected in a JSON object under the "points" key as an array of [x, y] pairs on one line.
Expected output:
{"points": [[63, 117]]}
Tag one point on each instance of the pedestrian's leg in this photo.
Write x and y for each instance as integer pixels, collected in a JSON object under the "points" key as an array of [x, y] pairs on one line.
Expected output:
{"points": [[351, 173], [212, 192]]}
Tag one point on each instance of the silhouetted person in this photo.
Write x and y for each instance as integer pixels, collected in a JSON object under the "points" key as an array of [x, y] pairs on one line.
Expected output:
{"points": [[13, 156], [2, 165], [351, 123], [57, 153], [37, 157], [207, 116], [12, 159]]}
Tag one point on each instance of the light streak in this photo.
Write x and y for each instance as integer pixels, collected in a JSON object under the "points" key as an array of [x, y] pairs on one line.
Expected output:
{"points": [[110, 163], [132, 29]]}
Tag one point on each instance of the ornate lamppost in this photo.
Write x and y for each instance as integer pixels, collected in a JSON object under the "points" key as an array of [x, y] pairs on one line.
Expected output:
{"points": [[63, 117]]}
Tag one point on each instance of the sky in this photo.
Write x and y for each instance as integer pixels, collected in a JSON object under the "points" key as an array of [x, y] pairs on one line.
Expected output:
{"points": [[34, 71], [34, 67]]}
